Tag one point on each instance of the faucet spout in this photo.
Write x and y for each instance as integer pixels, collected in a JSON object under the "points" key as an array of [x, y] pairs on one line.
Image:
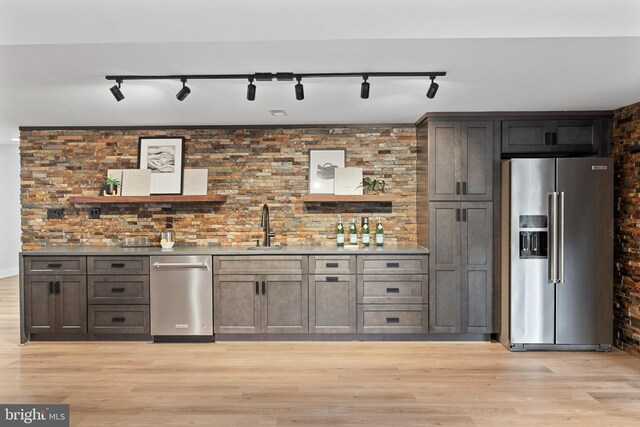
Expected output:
{"points": [[264, 223]]}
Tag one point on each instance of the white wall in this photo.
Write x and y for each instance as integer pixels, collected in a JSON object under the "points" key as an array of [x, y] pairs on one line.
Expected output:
{"points": [[9, 209]]}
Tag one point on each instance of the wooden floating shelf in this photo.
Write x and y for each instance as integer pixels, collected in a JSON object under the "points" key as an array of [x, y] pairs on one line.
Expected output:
{"points": [[379, 198], [211, 198]]}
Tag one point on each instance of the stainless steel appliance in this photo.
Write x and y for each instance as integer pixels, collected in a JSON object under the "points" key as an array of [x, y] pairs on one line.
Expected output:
{"points": [[181, 298], [557, 254]]}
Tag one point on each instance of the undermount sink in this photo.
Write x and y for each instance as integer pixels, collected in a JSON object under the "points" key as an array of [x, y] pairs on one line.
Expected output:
{"points": [[264, 248]]}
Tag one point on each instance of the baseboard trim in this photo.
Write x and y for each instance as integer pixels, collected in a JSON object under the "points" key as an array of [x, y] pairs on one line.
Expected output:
{"points": [[8, 272]]}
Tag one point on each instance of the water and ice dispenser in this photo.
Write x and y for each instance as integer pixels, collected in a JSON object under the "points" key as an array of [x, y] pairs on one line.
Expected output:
{"points": [[533, 236]]}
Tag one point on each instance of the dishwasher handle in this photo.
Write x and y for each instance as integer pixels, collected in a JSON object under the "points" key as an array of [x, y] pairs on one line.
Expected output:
{"points": [[180, 265]]}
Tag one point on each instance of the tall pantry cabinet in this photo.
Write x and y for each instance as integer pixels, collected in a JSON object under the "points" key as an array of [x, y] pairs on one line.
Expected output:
{"points": [[458, 159]]}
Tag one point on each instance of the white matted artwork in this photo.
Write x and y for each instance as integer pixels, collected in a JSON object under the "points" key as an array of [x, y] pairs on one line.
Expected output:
{"points": [[136, 182], [163, 156], [322, 165], [195, 182], [348, 181]]}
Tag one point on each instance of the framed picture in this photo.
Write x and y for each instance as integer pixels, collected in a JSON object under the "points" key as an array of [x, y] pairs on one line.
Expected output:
{"points": [[322, 165], [164, 157]]}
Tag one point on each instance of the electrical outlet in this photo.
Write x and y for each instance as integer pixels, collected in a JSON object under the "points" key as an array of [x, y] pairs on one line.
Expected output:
{"points": [[54, 213], [94, 213]]}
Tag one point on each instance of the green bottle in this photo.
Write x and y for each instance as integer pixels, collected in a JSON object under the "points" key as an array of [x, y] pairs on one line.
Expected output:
{"points": [[340, 233], [365, 232], [379, 233], [353, 232]]}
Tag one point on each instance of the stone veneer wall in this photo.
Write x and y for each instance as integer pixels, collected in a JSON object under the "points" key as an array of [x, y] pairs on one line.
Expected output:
{"points": [[626, 150], [250, 166]]}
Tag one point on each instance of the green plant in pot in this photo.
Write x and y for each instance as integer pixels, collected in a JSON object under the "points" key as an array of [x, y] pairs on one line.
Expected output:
{"points": [[373, 186], [110, 186]]}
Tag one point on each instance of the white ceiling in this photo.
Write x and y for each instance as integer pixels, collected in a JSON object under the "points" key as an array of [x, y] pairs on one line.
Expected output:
{"points": [[499, 55]]}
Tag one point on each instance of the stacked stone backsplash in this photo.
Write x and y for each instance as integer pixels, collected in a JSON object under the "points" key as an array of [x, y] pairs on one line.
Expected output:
{"points": [[626, 150], [250, 166]]}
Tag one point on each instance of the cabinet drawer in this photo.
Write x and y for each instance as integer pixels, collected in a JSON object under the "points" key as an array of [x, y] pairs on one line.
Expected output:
{"points": [[392, 318], [57, 265], [393, 289], [118, 319], [118, 265], [267, 264], [399, 264], [329, 264], [125, 289]]}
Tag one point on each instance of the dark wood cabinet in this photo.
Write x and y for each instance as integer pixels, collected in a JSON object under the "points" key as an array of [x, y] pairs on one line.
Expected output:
{"points": [[460, 160], [254, 303], [461, 271], [55, 303], [557, 136]]}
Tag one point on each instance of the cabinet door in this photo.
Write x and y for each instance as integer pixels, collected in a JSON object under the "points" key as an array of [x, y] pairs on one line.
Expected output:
{"points": [[332, 304], [285, 304], [39, 304], [476, 157], [71, 304], [444, 160], [444, 266], [576, 136], [476, 272], [236, 303], [526, 136]]}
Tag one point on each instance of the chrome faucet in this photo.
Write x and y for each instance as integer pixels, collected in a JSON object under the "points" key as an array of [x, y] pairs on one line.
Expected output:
{"points": [[268, 234]]}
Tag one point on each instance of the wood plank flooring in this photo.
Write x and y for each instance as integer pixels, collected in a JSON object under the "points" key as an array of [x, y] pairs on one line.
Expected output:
{"points": [[306, 384]]}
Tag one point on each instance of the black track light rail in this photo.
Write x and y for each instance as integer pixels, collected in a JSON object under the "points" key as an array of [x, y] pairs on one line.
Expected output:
{"points": [[278, 76]]}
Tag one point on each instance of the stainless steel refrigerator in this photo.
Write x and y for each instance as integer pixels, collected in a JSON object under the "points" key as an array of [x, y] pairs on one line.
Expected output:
{"points": [[557, 254]]}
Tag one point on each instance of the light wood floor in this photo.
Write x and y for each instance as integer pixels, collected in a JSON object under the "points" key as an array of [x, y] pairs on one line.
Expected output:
{"points": [[352, 383]]}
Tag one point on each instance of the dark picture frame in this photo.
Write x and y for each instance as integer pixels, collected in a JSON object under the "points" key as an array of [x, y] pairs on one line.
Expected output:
{"points": [[164, 156], [322, 163]]}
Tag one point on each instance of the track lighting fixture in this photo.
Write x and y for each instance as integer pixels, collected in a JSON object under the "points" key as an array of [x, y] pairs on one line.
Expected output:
{"points": [[433, 88], [364, 88], [299, 89], [184, 92], [115, 90], [280, 76], [251, 90]]}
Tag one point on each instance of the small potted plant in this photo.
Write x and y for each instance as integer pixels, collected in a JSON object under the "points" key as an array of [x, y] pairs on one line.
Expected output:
{"points": [[373, 186], [110, 187]]}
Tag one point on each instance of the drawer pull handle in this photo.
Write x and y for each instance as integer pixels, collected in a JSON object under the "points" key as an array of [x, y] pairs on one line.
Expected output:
{"points": [[332, 279], [257, 287], [56, 287], [393, 264], [54, 265], [393, 290], [117, 290], [332, 265], [393, 320], [118, 319], [50, 287], [117, 265]]}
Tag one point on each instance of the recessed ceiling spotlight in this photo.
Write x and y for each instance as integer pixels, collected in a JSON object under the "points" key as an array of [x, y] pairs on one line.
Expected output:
{"points": [[15, 139], [278, 113], [184, 92]]}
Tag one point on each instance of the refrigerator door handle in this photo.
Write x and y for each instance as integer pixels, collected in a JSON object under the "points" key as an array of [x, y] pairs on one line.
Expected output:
{"points": [[553, 238], [560, 254]]}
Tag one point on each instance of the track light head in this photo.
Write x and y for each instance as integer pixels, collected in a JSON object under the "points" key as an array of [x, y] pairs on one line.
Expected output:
{"points": [[184, 92], [116, 92], [433, 88], [299, 90], [251, 90], [364, 88]]}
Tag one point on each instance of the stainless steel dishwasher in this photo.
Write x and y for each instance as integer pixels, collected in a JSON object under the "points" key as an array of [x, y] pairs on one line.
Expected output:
{"points": [[181, 298]]}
